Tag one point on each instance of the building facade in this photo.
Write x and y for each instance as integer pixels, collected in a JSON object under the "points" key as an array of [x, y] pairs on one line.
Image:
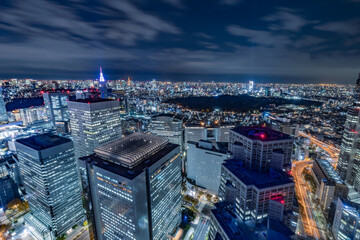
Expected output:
{"points": [[93, 121], [346, 224], [135, 188], [349, 160], [167, 126], [204, 159], [251, 191], [329, 185], [3, 112], [56, 107], [48, 169]]}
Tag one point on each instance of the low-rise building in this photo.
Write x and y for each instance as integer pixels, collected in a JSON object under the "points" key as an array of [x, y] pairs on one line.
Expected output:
{"points": [[252, 191], [329, 185]]}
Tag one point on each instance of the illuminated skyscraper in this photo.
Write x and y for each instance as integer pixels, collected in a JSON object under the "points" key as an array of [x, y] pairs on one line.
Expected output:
{"points": [[251, 86], [349, 158], [102, 86], [3, 113], [135, 187], [93, 121], [48, 169]]}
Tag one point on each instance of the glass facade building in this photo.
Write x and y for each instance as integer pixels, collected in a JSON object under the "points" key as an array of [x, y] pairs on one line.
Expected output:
{"points": [[346, 223], [48, 169], [135, 188], [349, 158], [93, 121]]}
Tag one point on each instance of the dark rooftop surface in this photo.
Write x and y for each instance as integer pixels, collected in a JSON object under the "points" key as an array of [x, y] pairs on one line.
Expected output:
{"points": [[43, 141], [259, 180], [261, 133], [93, 100], [129, 173], [224, 214]]}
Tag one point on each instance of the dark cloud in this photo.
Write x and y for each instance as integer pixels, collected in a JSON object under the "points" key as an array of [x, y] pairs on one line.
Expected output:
{"points": [[286, 19], [230, 2], [54, 39], [351, 27]]}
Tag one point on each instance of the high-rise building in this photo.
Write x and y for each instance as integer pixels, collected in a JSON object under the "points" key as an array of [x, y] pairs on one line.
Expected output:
{"points": [[256, 146], [204, 159], [346, 224], [135, 187], [349, 161], [93, 121], [56, 107], [52, 184], [3, 112], [167, 126], [102, 86], [252, 191]]}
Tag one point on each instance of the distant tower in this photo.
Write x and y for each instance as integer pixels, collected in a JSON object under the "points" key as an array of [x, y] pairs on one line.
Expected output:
{"points": [[102, 85], [129, 81], [251, 86]]}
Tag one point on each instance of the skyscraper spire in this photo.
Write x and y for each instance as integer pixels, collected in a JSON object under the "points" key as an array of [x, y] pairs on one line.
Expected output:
{"points": [[101, 79], [102, 85]]}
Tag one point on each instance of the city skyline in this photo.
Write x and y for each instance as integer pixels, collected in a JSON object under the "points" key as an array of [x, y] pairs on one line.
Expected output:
{"points": [[178, 40]]}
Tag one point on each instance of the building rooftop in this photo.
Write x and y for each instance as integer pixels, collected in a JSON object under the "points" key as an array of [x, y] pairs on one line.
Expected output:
{"points": [[125, 171], [261, 133], [329, 171], [43, 141], [225, 216], [131, 150], [93, 100], [259, 180]]}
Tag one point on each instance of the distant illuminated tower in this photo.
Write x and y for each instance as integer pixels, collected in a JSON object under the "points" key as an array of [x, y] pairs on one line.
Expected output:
{"points": [[349, 165], [102, 85], [251, 86], [129, 81]]}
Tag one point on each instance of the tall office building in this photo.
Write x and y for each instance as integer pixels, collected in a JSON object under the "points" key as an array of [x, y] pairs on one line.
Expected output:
{"points": [[167, 126], [102, 86], [256, 146], [3, 113], [56, 107], [135, 187], [93, 121], [349, 161], [48, 169]]}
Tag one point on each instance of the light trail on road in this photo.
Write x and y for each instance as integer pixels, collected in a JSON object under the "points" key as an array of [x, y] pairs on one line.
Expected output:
{"points": [[332, 151], [307, 218]]}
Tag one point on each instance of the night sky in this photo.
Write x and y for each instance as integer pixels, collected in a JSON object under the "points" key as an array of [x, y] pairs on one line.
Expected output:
{"points": [[304, 41]]}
